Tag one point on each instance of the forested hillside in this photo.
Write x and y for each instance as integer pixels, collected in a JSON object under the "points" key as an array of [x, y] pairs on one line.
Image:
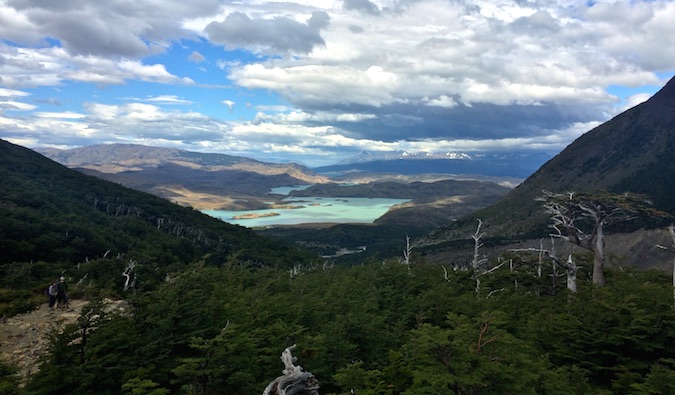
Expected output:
{"points": [[380, 328], [55, 220]]}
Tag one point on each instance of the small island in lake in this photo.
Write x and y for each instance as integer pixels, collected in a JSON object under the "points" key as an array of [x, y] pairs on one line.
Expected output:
{"points": [[254, 215]]}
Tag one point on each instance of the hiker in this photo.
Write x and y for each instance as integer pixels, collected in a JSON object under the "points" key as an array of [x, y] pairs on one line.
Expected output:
{"points": [[52, 292], [61, 295]]}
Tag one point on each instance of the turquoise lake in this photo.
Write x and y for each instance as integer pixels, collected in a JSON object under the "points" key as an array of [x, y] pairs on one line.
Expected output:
{"points": [[312, 210]]}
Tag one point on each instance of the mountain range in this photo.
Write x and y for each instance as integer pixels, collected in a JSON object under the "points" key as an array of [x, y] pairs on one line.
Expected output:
{"points": [[491, 164], [367, 156], [199, 180]]}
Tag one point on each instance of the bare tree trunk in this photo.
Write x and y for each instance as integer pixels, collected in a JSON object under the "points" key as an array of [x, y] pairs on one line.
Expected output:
{"points": [[294, 380], [129, 282], [599, 256], [571, 270], [554, 279], [477, 263], [406, 252]]}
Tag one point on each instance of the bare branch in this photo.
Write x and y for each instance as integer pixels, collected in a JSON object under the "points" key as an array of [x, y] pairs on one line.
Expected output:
{"points": [[81, 280], [482, 343], [494, 291]]}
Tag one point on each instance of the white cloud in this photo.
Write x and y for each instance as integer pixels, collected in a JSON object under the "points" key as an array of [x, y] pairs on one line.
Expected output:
{"points": [[296, 117], [196, 57], [8, 105], [633, 101], [442, 101], [4, 92], [502, 43], [371, 86], [167, 99], [53, 66], [151, 73], [8, 102], [129, 29], [229, 104], [60, 115]]}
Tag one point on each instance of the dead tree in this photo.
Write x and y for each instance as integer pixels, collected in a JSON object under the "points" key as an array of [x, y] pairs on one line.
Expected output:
{"points": [[294, 380], [407, 251], [477, 263], [129, 282], [569, 266], [581, 219]]}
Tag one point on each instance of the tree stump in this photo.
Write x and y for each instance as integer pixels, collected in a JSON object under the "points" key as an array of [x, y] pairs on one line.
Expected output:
{"points": [[294, 380]]}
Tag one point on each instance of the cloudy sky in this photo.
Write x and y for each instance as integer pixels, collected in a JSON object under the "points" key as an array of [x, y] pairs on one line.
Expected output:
{"points": [[315, 81]]}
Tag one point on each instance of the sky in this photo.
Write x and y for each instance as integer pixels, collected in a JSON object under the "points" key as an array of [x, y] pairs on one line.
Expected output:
{"points": [[317, 81]]}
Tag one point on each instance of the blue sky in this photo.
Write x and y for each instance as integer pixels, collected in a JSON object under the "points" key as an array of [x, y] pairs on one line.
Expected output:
{"points": [[317, 81]]}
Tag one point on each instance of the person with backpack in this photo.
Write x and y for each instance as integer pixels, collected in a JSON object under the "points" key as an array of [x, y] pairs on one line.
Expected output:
{"points": [[61, 294], [52, 292]]}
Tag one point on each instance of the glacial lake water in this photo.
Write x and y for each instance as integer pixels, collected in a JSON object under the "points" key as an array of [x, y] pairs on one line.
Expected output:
{"points": [[311, 210]]}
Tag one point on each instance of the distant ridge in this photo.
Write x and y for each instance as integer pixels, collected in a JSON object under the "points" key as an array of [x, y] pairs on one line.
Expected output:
{"points": [[634, 151], [200, 180], [113, 158], [367, 156], [492, 164]]}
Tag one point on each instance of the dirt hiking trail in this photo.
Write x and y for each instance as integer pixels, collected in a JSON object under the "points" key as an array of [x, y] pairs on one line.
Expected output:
{"points": [[23, 338]]}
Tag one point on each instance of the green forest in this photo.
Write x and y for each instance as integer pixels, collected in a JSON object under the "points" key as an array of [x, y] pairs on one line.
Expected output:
{"points": [[384, 327]]}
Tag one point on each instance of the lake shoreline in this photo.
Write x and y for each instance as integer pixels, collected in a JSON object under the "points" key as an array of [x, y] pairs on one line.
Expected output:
{"points": [[311, 210]]}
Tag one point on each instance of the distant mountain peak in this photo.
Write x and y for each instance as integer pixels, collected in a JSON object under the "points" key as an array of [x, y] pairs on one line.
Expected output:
{"points": [[367, 156]]}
